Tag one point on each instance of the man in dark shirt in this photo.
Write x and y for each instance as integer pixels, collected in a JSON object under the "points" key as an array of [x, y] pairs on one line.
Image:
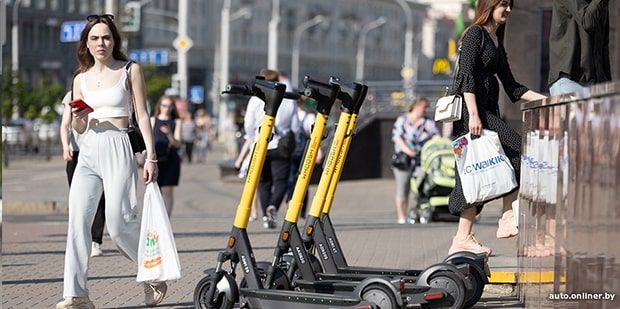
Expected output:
{"points": [[578, 45]]}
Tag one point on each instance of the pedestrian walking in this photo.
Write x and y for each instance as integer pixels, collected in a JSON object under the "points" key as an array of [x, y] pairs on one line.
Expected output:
{"points": [[106, 157], [409, 133], [70, 153], [188, 134], [204, 128], [578, 45], [273, 180], [167, 137], [482, 57]]}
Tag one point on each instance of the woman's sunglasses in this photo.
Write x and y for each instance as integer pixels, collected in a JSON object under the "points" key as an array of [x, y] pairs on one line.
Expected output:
{"points": [[96, 17]]}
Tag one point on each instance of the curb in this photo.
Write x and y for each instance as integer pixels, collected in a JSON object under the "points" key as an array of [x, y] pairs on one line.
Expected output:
{"points": [[535, 277]]}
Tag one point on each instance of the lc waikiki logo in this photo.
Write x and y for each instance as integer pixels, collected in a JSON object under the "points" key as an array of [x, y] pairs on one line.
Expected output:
{"points": [[152, 252], [485, 164], [459, 145]]}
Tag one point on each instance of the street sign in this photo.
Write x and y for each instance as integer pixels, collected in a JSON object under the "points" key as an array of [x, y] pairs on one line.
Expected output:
{"points": [[158, 57], [130, 17], [197, 94], [182, 44], [70, 31]]}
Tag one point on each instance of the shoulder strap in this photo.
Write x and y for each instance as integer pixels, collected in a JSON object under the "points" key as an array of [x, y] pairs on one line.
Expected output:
{"points": [[458, 58], [132, 109]]}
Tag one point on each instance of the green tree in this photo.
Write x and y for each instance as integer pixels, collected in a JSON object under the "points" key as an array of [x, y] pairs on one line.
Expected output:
{"points": [[32, 102], [156, 83]]}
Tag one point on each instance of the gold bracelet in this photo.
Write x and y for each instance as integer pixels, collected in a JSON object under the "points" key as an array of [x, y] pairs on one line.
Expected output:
{"points": [[152, 161]]}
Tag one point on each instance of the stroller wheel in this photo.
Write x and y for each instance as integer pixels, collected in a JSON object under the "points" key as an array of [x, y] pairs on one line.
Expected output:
{"points": [[412, 215], [426, 215]]}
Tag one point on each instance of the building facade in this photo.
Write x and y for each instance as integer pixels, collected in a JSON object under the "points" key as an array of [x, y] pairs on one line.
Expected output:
{"points": [[326, 50]]}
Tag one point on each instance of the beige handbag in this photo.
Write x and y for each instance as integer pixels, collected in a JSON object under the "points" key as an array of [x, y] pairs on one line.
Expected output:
{"points": [[448, 108]]}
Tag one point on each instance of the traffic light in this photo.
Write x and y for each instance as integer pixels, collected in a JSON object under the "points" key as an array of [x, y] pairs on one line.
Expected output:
{"points": [[130, 17]]}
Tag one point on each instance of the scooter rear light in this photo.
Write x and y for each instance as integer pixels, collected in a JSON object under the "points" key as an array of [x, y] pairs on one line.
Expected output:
{"points": [[433, 296], [364, 307], [402, 285]]}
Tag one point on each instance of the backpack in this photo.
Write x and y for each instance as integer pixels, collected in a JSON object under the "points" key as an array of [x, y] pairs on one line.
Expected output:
{"points": [[301, 141]]}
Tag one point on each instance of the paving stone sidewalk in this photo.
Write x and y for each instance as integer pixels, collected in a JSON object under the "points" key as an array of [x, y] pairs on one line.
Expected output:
{"points": [[34, 235]]}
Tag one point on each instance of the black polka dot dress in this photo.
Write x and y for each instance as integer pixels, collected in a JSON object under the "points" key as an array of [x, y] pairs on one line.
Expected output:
{"points": [[479, 64]]}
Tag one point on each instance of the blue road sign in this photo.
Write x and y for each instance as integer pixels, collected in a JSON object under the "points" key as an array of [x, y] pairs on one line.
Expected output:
{"points": [[70, 31], [196, 94], [158, 57]]}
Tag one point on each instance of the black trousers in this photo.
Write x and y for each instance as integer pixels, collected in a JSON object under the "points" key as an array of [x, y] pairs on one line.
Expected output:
{"points": [[99, 222], [273, 180], [189, 149]]}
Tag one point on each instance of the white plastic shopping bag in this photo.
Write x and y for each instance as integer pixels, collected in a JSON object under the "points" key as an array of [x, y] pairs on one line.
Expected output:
{"points": [[483, 167], [157, 253]]}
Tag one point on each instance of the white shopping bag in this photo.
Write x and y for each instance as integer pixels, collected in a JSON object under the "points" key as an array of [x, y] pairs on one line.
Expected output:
{"points": [[483, 167], [157, 253]]}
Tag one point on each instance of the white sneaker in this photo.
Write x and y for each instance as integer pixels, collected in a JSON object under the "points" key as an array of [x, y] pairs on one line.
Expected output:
{"points": [[75, 303], [154, 293], [96, 250]]}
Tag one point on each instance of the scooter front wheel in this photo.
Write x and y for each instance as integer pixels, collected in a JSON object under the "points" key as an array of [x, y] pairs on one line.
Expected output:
{"points": [[454, 287], [382, 296], [473, 296], [225, 296]]}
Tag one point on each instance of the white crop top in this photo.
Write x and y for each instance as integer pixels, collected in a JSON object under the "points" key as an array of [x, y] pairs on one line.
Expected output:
{"points": [[107, 103]]}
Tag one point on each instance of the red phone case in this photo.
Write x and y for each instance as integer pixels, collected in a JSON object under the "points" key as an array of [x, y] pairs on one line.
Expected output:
{"points": [[81, 105]]}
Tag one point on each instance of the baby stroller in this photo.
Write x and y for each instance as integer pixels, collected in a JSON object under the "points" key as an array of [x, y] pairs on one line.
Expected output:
{"points": [[432, 181]]}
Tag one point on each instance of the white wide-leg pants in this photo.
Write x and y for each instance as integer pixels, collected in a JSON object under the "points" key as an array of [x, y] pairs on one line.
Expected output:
{"points": [[106, 163]]}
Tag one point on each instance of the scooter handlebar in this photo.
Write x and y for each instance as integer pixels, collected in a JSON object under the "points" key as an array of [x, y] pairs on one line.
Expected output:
{"points": [[325, 94], [238, 89]]}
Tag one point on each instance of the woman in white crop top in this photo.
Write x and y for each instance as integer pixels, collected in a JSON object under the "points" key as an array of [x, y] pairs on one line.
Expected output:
{"points": [[106, 158]]}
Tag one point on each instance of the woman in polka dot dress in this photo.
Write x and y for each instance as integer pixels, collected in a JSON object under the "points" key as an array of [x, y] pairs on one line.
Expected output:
{"points": [[482, 58]]}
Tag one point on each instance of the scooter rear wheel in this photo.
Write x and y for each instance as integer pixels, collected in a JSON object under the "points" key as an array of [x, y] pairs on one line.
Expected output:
{"points": [[452, 285], [226, 293], [382, 296]]}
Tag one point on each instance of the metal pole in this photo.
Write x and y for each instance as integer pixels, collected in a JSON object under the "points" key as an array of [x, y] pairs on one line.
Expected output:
{"points": [[408, 33], [3, 5], [15, 41], [182, 54], [296, 45], [272, 47], [110, 7], [361, 45], [224, 65], [15, 55]]}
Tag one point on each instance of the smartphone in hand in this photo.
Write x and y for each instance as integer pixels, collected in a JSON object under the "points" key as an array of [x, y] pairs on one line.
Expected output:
{"points": [[81, 105]]}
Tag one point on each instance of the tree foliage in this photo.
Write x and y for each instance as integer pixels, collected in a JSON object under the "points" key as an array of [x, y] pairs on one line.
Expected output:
{"points": [[31, 102], [156, 83]]}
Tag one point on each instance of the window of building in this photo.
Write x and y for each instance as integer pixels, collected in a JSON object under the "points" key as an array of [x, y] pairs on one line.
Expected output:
{"points": [[40, 4], [84, 7], [71, 6], [97, 7], [54, 5]]}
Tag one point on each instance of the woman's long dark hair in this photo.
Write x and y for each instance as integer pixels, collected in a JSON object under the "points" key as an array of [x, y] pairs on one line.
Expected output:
{"points": [[484, 12], [85, 59], [174, 112]]}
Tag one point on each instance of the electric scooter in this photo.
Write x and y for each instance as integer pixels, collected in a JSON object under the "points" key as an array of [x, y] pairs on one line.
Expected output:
{"points": [[290, 238], [218, 289], [320, 233]]}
